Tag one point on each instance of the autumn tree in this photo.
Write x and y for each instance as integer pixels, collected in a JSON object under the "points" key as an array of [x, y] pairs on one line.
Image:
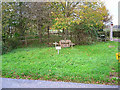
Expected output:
{"points": [[82, 18], [91, 17], [63, 14]]}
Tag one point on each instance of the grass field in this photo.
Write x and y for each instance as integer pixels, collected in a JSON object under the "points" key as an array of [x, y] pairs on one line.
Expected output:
{"points": [[84, 64]]}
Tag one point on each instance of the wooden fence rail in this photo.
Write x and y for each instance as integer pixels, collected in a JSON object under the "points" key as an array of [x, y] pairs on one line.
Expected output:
{"points": [[26, 39]]}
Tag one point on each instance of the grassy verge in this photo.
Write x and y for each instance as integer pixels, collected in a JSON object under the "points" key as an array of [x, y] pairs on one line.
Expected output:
{"points": [[84, 64]]}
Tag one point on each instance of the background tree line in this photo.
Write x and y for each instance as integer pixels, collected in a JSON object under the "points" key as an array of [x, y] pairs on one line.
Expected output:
{"points": [[79, 21]]}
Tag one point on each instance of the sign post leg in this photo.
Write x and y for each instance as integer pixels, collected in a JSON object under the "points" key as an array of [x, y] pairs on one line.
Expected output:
{"points": [[111, 34], [58, 51]]}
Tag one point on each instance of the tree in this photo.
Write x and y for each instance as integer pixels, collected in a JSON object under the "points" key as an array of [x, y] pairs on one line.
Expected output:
{"points": [[80, 17], [39, 11], [83, 19], [13, 24], [63, 14], [91, 17]]}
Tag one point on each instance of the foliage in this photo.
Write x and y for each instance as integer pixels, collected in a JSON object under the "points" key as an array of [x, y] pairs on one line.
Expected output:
{"points": [[18, 20], [10, 20], [115, 33], [11, 43], [82, 19], [84, 64]]}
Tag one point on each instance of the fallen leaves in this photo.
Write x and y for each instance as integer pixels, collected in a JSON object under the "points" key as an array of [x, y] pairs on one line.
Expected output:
{"points": [[110, 46]]}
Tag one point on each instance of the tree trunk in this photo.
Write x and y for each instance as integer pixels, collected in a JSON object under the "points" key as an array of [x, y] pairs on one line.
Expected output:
{"points": [[63, 33], [48, 32], [21, 22], [78, 38], [66, 34], [40, 33], [39, 29], [71, 35]]}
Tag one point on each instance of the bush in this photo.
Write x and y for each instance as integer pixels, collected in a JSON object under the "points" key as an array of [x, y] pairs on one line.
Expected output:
{"points": [[82, 37], [115, 33], [9, 44]]}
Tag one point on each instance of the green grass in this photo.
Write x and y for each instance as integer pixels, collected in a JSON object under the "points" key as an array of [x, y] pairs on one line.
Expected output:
{"points": [[84, 64]]}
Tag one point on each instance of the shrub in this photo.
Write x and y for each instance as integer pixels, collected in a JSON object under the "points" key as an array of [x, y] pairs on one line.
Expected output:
{"points": [[9, 44]]}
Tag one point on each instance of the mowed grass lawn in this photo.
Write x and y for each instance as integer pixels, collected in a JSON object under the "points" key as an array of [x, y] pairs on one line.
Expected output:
{"points": [[83, 63]]}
